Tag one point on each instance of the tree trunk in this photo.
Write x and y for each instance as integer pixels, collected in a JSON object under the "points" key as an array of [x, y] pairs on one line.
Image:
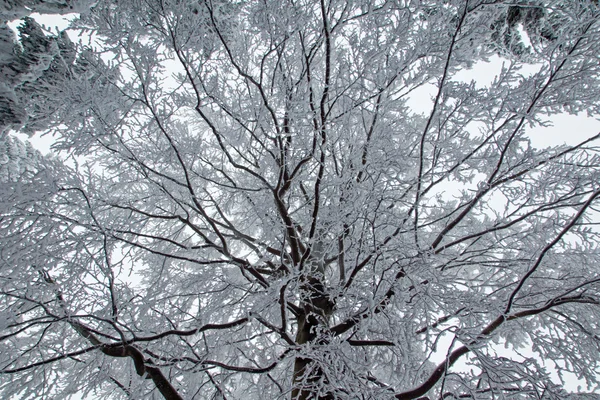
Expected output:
{"points": [[308, 375]]}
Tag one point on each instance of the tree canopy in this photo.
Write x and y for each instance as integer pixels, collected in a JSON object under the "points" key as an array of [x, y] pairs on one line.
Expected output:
{"points": [[241, 202]]}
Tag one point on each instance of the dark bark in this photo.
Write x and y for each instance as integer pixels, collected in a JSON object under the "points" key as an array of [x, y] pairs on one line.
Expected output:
{"points": [[308, 375]]}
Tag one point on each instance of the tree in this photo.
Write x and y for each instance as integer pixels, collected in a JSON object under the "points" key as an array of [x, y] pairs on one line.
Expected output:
{"points": [[249, 208], [17, 9], [34, 68]]}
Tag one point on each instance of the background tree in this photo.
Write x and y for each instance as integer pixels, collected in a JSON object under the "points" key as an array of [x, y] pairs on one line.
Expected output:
{"points": [[34, 69], [251, 209], [17, 9]]}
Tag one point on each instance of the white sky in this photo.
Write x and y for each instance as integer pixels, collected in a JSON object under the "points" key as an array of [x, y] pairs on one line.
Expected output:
{"points": [[566, 129]]}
